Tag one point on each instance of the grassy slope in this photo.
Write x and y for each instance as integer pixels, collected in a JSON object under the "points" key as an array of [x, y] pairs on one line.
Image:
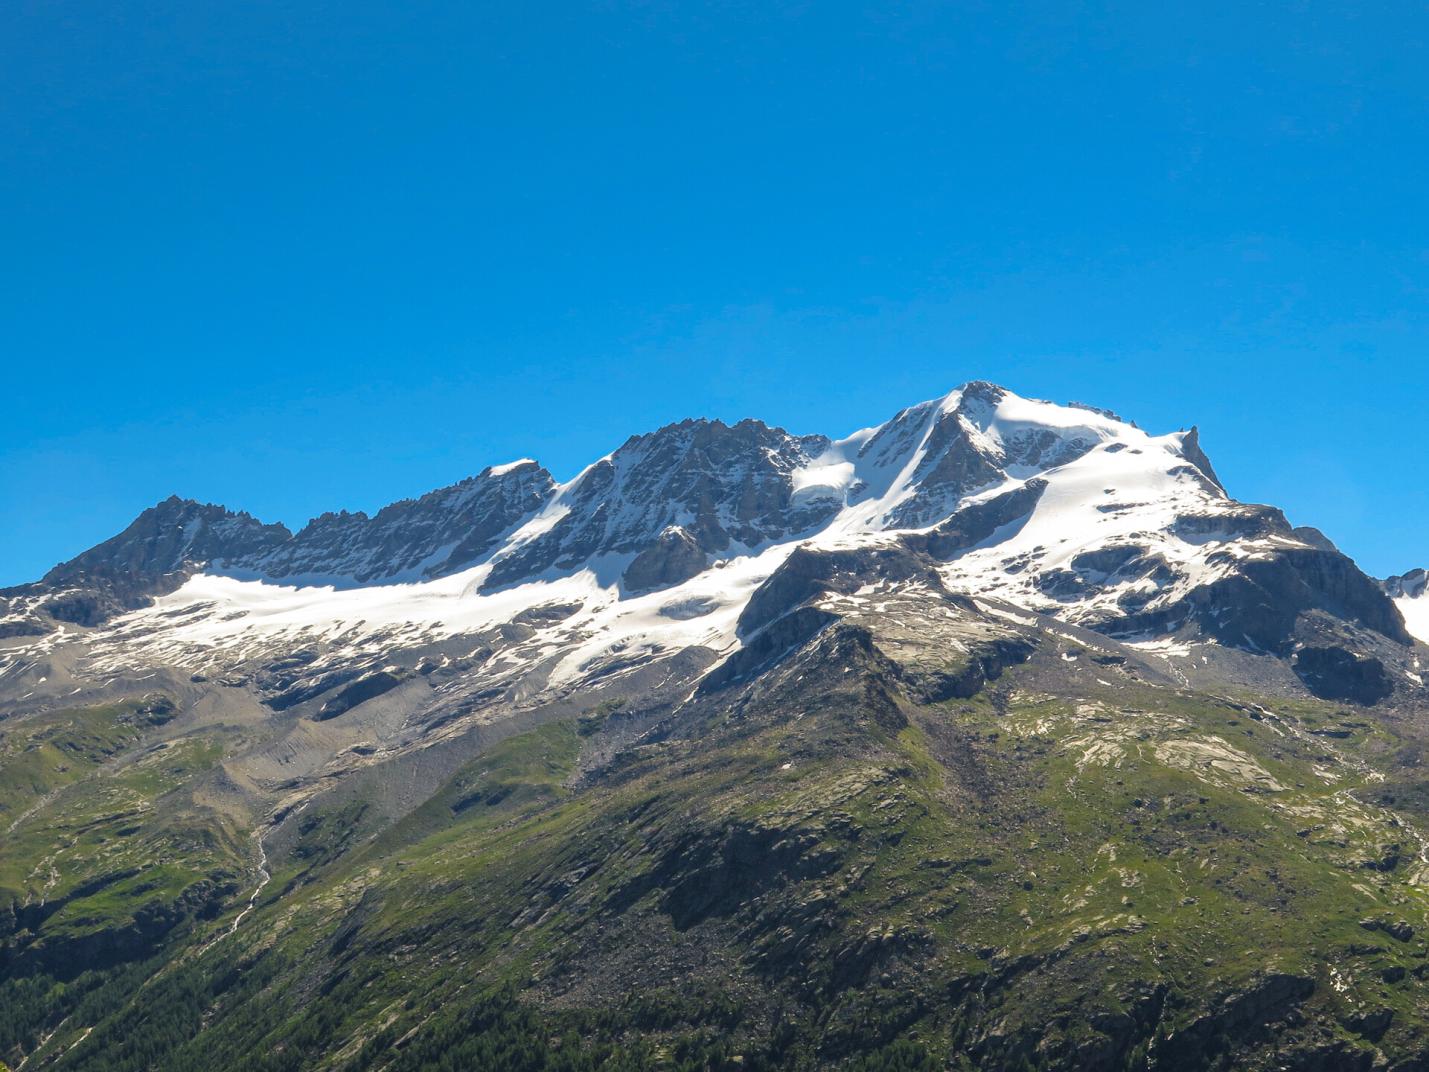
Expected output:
{"points": [[1064, 870], [104, 856]]}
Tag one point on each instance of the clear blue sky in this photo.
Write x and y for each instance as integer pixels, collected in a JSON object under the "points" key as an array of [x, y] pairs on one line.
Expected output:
{"points": [[298, 256]]}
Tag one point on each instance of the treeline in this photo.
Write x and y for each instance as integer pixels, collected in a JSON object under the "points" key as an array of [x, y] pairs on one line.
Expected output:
{"points": [[226, 1013], [33, 1004], [500, 1034]]}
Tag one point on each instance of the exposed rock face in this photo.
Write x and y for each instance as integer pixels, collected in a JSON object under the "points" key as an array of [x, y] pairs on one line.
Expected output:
{"points": [[720, 485], [950, 470], [1239, 521], [1408, 585], [440, 533], [168, 538], [1191, 447], [360, 691], [675, 556], [1261, 602], [1266, 1001], [772, 642], [808, 573], [1298, 580], [959, 457], [1337, 674], [979, 521], [1314, 537]]}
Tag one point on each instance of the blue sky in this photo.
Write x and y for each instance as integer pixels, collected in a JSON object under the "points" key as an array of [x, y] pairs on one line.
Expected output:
{"points": [[293, 257]]}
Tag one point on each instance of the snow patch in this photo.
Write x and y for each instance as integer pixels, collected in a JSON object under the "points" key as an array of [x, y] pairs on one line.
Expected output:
{"points": [[502, 470], [1416, 615]]}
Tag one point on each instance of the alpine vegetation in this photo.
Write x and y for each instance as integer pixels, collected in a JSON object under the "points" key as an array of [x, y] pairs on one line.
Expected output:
{"points": [[995, 736]]}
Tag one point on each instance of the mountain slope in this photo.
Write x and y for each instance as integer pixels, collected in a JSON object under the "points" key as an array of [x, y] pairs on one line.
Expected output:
{"points": [[994, 736], [1408, 593]]}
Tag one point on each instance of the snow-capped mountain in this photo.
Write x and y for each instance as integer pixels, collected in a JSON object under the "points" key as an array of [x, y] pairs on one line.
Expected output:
{"points": [[654, 550], [997, 687]]}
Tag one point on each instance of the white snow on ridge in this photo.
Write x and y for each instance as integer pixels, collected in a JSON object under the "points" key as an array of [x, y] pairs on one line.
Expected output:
{"points": [[502, 470], [1109, 486], [215, 621], [1124, 498], [1013, 418]]}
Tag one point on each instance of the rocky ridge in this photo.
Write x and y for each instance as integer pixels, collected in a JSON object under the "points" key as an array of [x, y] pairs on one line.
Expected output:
{"points": [[1095, 522]]}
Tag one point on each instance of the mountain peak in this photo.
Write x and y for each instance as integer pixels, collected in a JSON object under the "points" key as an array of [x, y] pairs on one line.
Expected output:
{"points": [[508, 468], [976, 391], [168, 537], [1409, 585], [695, 489], [1191, 450]]}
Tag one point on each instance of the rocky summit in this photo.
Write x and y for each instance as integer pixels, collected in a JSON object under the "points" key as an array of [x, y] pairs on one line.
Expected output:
{"points": [[994, 736]]}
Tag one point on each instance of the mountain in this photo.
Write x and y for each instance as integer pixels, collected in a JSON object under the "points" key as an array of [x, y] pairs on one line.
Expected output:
{"points": [[1408, 593], [997, 735]]}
